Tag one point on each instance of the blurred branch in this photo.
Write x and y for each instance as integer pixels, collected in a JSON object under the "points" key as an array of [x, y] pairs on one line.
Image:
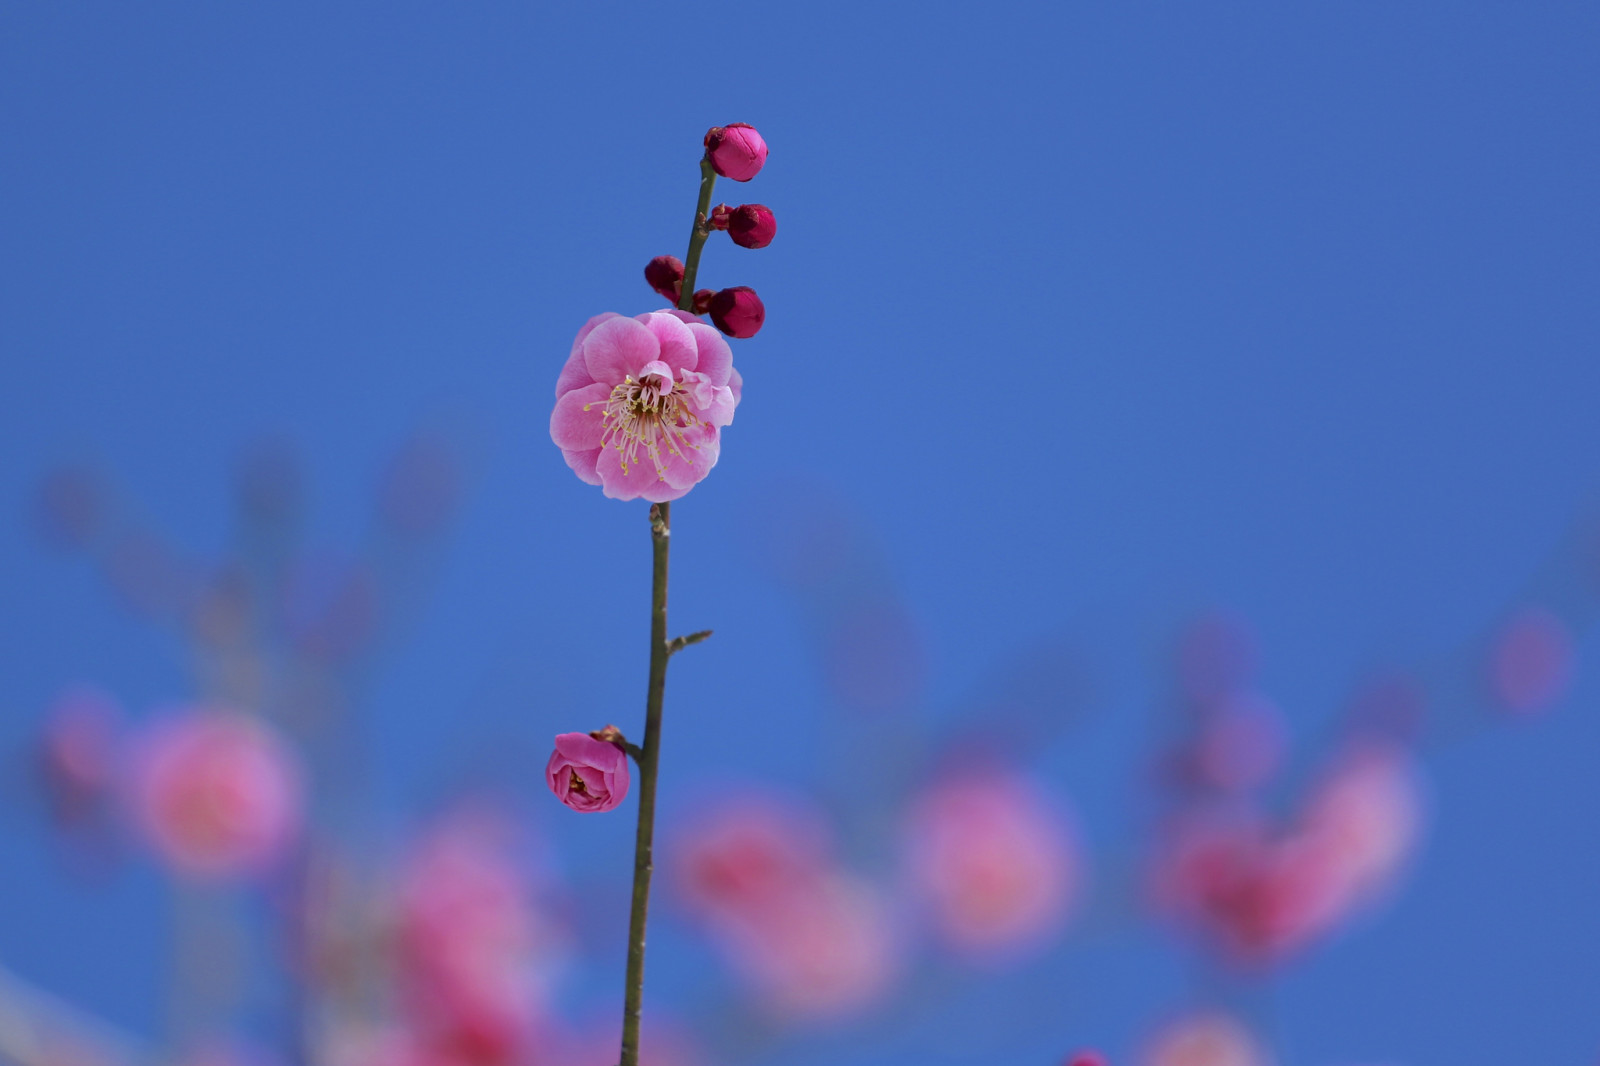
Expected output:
{"points": [[36, 1029]]}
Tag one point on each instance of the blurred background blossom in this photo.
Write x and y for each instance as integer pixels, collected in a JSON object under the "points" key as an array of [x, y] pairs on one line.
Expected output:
{"points": [[1173, 639]]}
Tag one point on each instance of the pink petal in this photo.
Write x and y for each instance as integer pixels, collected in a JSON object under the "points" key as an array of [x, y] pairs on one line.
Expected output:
{"points": [[575, 424], [686, 471], [618, 348], [678, 347], [736, 383], [715, 358], [575, 373], [583, 464]]}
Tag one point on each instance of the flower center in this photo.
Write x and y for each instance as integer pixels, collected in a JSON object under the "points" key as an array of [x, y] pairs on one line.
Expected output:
{"points": [[577, 783], [649, 415]]}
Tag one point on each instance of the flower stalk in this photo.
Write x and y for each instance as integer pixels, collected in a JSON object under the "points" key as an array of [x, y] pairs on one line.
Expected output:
{"points": [[648, 758], [698, 235]]}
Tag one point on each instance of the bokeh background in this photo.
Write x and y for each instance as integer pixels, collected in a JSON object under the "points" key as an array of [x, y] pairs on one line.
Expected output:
{"points": [[1151, 567]]}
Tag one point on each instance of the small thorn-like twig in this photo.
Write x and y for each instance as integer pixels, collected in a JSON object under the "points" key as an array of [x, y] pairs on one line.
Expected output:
{"points": [[677, 644]]}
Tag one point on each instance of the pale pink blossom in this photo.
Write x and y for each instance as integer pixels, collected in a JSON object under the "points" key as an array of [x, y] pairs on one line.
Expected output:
{"points": [[473, 955], [641, 403], [1532, 662], [1205, 1040], [996, 860], [586, 774], [217, 793], [1260, 893], [814, 941]]}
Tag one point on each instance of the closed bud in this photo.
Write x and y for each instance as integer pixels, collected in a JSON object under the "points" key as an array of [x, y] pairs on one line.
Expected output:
{"points": [[752, 225], [664, 274], [738, 311], [736, 150]]}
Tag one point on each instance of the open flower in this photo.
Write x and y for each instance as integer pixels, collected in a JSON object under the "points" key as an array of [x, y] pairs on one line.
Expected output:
{"points": [[641, 403], [586, 774]]}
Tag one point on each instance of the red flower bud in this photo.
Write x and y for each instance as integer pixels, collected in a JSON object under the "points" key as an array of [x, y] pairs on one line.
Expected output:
{"points": [[664, 274], [719, 216], [752, 225], [736, 150], [702, 301], [738, 311]]}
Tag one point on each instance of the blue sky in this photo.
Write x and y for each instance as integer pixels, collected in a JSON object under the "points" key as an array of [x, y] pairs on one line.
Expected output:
{"points": [[1093, 316]]}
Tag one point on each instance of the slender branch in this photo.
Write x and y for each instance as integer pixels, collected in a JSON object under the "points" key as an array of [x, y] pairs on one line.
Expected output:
{"points": [[648, 758], [677, 644], [697, 235]]}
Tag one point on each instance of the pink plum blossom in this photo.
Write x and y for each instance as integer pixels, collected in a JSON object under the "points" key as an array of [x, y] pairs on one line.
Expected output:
{"points": [[641, 402], [815, 941], [217, 793], [472, 951], [586, 774], [1532, 662], [997, 862], [1205, 1040]]}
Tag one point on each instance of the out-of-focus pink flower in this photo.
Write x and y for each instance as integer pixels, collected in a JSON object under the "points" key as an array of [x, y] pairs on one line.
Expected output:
{"points": [[1260, 895], [736, 150], [424, 484], [996, 860], [752, 225], [1085, 1058], [72, 506], [1365, 817], [641, 403], [738, 311], [1205, 1040], [471, 949], [586, 774], [217, 793], [78, 751], [815, 941], [664, 274], [1532, 662]]}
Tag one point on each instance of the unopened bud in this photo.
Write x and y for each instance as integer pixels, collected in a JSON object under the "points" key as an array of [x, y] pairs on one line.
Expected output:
{"points": [[738, 311], [664, 274], [719, 216], [702, 301], [611, 735], [736, 150], [752, 225]]}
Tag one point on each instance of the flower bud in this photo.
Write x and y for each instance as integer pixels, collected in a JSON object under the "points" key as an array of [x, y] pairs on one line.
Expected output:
{"points": [[736, 150], [664, 274], [738, 311], [752, 225], [719, 216], [586, 774], [702, 301]]}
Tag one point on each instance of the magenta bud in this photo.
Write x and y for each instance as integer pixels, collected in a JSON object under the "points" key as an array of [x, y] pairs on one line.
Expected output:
{"points": [[719, 216], [664, 274], [738, 311], [752, 225], [736, 150], [702, 301]]}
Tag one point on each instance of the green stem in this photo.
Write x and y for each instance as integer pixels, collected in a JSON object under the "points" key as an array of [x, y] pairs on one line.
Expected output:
{"points": [[697, 235], [649, 756]]}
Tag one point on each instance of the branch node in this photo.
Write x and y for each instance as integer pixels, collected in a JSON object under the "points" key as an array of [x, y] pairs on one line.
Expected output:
{"points": [[677, 644]]}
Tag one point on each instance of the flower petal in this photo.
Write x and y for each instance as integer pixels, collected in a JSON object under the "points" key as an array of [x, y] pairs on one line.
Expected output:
{"points": [[575, 373], [678, 347], [576, 424], [583, 464], [715, 358], [687, 470], [617, 348]]}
